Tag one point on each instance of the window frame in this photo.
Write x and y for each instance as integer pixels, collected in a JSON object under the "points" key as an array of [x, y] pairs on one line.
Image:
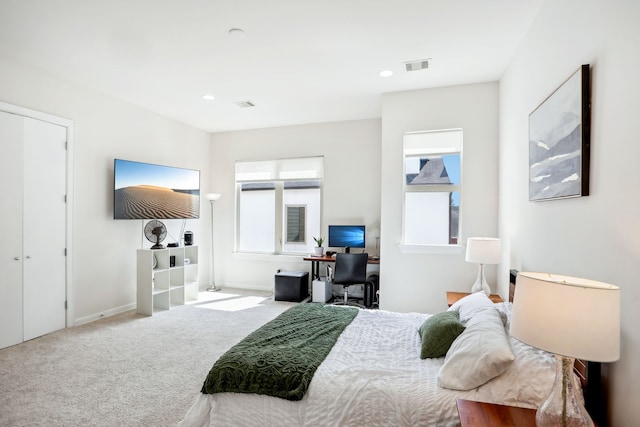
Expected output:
{"points": [[431, 188], [279, 172]]}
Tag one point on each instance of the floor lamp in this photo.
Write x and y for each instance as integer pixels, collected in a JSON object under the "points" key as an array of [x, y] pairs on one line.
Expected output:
{"points": [[212, 197]]}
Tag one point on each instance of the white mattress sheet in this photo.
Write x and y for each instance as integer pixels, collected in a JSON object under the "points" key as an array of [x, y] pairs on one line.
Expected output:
{"points": [[374, 376]]}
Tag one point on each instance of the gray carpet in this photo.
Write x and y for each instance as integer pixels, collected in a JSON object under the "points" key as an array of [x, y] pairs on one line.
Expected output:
{"points": [[126, 370]]}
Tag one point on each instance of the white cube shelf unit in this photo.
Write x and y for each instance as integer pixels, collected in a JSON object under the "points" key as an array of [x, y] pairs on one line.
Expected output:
{"points": [[161, 284]]}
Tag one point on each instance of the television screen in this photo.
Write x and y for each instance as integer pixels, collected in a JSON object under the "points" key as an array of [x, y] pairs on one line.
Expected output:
{"points": [[147, 191], [346, 236]]}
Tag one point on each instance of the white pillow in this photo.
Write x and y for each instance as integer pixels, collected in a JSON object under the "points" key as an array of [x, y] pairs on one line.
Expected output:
{"points": [[471, 304], [505, 308], [533, 367], [479, 354]]}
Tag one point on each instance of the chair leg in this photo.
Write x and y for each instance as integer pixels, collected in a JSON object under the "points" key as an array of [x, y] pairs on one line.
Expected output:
{"points": [[345, 300]]}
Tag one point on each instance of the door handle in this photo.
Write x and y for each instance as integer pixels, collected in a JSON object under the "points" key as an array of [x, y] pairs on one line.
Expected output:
{"points": [[16, 258], [28, 256]]}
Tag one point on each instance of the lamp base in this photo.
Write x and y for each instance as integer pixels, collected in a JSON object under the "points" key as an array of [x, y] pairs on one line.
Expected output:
{"points": [[563, 407], [213, 288], [481, 282]]}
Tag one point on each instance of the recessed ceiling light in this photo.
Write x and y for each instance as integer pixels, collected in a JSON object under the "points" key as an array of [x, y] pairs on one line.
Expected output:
{"points": [[208, 97], [386, 73], [236, 32]]}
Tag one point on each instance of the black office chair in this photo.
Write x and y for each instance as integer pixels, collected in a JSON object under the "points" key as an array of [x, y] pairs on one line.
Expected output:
{"points": [[350, 269]]}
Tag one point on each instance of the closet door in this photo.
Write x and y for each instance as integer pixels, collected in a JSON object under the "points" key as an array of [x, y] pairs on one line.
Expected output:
{"points": [[44, 231], [11, 229]]}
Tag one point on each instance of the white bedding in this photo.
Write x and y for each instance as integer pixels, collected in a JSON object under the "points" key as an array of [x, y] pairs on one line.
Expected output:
{"points": [[374, 376]]}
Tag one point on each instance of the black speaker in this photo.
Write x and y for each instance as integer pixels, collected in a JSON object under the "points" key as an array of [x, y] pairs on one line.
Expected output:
{"points": [[371, 290], [188, 238]]}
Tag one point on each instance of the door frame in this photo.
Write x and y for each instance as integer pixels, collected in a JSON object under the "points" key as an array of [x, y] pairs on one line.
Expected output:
{"points": [[70, 126]]}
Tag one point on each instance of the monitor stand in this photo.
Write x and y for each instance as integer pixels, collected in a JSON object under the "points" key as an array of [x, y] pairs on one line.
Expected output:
{"points": [[347, 250]]}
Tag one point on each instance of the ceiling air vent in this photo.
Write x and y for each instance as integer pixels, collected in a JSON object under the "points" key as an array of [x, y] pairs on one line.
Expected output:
{"points": [[421, 64], [245, 104]]}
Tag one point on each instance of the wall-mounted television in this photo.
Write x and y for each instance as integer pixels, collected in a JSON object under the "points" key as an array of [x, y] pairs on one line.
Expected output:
{"points": [[346, 236], [148, 191]]}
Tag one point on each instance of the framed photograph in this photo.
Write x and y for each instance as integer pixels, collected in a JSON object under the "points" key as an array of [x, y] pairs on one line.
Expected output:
{"points": [[559, 141]]}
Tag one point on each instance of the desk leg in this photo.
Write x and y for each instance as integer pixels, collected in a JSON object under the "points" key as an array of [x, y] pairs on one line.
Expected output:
{"points": [[315, 270]]}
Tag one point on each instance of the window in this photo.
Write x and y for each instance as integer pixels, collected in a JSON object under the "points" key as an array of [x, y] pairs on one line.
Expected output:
{"points": [[296, 224], [432, 186], [278, 205]]}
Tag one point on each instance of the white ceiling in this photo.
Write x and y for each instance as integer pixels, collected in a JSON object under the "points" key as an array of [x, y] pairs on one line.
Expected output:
{"points": [[300, 61]]}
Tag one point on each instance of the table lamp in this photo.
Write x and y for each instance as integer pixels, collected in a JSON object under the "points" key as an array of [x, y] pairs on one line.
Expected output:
{"points": [[483, 250], [572, 318]]}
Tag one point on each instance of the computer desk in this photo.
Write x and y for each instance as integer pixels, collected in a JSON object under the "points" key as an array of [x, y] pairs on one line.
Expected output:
{"points": [[316, 260]]}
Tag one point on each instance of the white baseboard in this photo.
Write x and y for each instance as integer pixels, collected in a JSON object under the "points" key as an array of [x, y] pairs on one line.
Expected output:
{"points": [[266, 287], [108, 313]]}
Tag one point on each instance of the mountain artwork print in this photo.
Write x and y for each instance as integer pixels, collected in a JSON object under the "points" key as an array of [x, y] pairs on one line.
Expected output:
{"points": [[559, 141]]}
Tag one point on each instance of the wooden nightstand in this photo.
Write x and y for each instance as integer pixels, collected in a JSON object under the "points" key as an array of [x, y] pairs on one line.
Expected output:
{"points": [[452, 297], [480, 414]]}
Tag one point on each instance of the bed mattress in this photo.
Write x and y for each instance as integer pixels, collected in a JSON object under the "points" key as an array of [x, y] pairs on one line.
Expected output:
{"points": [[374, 376]]}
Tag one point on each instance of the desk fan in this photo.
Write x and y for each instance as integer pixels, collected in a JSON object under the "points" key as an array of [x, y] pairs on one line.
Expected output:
{"points": [[155, 232]]}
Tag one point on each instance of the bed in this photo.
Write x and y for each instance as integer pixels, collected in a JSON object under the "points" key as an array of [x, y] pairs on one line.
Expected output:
{"points": [[374, 375]]}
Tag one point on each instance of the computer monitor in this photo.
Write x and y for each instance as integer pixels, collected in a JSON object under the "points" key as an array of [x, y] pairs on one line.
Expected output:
{"points": [[346, 236]]}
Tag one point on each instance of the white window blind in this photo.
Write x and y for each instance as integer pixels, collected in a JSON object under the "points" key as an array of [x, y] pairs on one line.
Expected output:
{"points": [[306, 168]]}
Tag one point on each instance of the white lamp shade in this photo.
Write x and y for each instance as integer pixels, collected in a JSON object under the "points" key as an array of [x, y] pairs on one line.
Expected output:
{"points": [[213, 196], [483, 250], [567, 316]]}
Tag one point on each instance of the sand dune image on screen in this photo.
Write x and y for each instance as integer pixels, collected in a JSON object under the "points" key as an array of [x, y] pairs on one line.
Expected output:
{"points": [[148, 201]]}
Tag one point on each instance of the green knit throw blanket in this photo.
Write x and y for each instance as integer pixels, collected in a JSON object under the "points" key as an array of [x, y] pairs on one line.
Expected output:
{"points": [[280, 358]]}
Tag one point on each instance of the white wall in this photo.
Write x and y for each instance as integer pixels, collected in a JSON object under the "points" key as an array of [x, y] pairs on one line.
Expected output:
{"points": [[104, 249], [596, 236], [351, 188], [419, 282]]}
